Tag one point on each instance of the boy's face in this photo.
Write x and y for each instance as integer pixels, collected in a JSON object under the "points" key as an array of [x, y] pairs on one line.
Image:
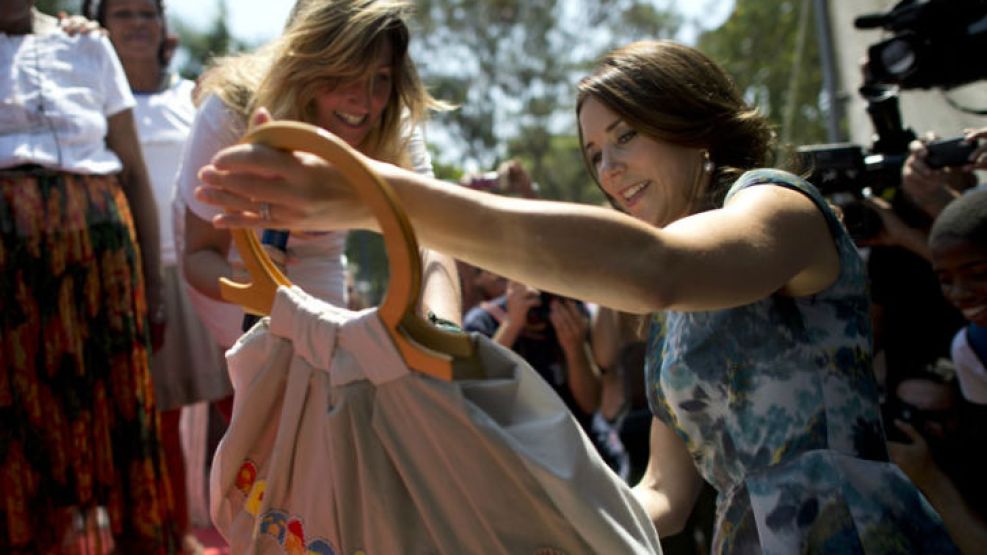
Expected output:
{"points": [[961, 267]]}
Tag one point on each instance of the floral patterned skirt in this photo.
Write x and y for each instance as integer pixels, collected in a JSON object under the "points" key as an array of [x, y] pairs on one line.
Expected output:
{"points": [[78, 427]]}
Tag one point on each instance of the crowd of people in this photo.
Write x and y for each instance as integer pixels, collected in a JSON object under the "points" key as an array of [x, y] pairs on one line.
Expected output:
{"points": [[715, 331]]}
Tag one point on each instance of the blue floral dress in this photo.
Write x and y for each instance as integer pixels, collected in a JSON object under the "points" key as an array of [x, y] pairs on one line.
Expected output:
{"points": [[777, 404]]}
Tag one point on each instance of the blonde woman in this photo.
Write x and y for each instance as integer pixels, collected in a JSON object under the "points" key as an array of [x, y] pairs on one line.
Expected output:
{"points": [[342, 65]]}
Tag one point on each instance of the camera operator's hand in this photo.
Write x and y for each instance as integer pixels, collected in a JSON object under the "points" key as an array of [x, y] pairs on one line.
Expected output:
{"points": [[978, 159], [914, 458], [520, 299], [571, 326], [517, 180], [928, 188], [572, 332], [894, 232]]}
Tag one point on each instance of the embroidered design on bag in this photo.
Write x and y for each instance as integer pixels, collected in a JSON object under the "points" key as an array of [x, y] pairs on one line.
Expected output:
{"points": [[289, 532], [255, 498], [246, 476]]}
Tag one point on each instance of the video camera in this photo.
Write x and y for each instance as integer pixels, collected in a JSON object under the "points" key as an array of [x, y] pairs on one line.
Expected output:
{"points": [[932, 47], [936, 43]]}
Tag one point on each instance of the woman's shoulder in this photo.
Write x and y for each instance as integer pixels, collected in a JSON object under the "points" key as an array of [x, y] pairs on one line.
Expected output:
{"points": [[775, 176], [760, 176], [216, 111]]}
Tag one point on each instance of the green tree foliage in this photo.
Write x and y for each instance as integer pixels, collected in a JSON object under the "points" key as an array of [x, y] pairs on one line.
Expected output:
{"points": [[512, 65], [199, 46], [759, 47], [54, 6]]}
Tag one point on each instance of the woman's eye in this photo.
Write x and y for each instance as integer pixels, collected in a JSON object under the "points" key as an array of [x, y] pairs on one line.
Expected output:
{"points": [[626, 136], [595, 159], [382, 83]]}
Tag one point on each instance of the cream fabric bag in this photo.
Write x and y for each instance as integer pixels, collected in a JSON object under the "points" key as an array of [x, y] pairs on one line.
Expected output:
{"points": [[337, 447]]}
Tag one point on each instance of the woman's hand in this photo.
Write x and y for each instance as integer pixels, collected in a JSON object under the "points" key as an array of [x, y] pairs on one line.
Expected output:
{"points": [[73, 25], [301, 190]]}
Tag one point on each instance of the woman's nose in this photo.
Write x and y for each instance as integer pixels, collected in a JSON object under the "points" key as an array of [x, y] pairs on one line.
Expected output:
{"points": [[610, 167], [358, 93]]}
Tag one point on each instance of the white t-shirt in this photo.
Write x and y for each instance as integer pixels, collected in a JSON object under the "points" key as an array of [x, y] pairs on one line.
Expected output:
{"points": [[315, 261], [56, 93], [164, 120], [970, 370]]}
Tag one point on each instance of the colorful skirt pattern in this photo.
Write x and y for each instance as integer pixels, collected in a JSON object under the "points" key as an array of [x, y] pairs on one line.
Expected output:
{"points": [[78, 427]]}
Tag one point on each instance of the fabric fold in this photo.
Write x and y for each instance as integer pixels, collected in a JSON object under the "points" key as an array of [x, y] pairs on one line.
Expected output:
{"points": [[336, 446]]}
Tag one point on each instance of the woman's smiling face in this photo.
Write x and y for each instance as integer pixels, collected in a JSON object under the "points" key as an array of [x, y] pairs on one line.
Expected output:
{"points": [[136, 28], [353, 109], [961, 267], [652, 180]]}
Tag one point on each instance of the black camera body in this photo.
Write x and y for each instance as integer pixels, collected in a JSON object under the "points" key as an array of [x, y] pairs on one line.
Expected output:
{"points": [[847, 168], [845, 172], [540, 312], [896, 409], [936, 43], [949, 152]]}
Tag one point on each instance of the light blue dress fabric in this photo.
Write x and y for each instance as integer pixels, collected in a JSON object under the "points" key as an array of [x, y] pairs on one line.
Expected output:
{"points": [[777, 403]]}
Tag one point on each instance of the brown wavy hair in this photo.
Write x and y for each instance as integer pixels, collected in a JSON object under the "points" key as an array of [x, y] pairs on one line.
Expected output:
{"points": [[675, 93]]}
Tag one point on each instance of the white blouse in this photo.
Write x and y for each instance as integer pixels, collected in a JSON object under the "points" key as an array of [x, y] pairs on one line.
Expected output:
{"points": [[56, 93]]}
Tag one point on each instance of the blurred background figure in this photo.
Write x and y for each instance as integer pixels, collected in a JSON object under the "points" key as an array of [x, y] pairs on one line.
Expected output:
{"points": [[552, 334], [189, 367], [479, 285], [81, 274], [510, 178]]}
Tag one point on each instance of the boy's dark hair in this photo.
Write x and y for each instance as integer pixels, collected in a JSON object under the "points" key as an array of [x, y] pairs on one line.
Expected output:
{"points": [[964, 219]]}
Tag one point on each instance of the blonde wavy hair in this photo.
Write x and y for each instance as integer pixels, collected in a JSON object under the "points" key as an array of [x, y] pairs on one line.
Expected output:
{"points": [[327, 42]]}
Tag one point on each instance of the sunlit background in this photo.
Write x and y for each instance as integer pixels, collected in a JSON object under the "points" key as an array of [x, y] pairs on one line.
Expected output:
{"points": [[511, 66]]}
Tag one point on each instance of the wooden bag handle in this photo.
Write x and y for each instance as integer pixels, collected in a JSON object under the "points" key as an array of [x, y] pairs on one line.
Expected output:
{"points": [[424, 347]]}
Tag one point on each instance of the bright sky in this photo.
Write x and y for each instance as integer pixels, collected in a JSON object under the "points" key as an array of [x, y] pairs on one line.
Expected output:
{"points": [[261, 20], [250, 20]]}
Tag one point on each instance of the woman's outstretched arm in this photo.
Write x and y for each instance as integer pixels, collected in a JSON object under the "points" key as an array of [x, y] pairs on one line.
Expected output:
{"points": [[767, 239]]}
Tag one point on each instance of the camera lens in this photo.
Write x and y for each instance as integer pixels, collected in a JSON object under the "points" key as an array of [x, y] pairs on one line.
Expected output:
{"points": [[898, 58]]}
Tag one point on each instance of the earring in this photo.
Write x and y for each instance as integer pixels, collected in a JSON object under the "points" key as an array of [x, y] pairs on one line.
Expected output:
{"points": [[708, 165]]}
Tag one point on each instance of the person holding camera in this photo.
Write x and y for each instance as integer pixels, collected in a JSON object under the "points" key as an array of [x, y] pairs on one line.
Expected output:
{"points": [[510, 178], [931, 185], [913, 322], [956, 485], [759, 360], [551, 333]]}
